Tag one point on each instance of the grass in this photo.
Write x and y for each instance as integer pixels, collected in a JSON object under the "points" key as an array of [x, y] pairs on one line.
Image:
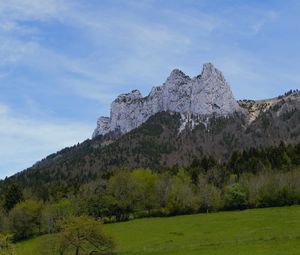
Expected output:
{"points": [[257, 231]]}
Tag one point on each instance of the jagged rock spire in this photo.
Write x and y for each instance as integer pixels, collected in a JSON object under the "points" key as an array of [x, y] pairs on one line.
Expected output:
{"points": [[205, 94], [210, 71], [177, 74]]}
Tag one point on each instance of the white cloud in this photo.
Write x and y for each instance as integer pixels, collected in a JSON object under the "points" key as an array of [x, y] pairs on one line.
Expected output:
{"points": [[14, 52], [148, 47], [25, 141], [127, 50], [3, 109], [33, 9]]}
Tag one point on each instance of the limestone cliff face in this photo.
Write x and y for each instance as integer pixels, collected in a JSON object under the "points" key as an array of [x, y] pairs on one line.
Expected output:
{"points": [[205, 94]]}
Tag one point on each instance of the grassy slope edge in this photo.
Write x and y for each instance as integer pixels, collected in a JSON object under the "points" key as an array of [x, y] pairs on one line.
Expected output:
{"points": [[263, 231]]}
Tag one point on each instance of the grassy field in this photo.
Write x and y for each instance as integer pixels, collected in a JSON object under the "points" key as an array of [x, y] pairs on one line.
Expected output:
{"points": [[258, 231]]}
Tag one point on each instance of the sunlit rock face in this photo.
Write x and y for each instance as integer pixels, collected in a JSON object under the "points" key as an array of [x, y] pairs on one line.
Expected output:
{"points": [[205, 94]]}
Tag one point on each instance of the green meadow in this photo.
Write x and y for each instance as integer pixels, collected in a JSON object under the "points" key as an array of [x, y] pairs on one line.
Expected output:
{"points": [[256, 231]]}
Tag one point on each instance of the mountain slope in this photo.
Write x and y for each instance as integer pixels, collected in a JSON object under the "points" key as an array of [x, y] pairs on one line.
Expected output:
{"points": [[158, 143]]}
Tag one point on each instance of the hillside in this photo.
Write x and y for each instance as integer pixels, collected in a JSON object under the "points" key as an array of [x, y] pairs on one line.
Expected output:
{"points": [[265, 231], [159, 143], [181, 120]]}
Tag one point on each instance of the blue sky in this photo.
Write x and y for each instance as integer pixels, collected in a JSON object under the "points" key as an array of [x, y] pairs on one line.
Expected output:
{"points": [[62, 62]]}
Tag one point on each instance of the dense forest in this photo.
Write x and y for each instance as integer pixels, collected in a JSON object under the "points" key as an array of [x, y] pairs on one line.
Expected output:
{"points": [[258, 177]]}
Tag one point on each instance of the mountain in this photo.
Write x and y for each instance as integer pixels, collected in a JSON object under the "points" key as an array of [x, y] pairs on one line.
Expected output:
{"points": [[177, 122], [205, 94]]}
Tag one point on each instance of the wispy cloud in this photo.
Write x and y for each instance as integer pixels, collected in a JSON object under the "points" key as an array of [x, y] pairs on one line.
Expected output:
{"points": [[25, 140], [90, 91], [71, 58], [33, 9]]}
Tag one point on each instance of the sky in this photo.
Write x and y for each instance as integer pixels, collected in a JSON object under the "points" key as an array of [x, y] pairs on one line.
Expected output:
{"points": [[62, 62]]}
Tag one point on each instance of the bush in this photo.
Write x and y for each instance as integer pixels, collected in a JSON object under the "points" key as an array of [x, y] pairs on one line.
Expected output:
{"points": [[25, 219], [84, 233], [54, 213], [235, 197], [210, 198], [181, 197]]}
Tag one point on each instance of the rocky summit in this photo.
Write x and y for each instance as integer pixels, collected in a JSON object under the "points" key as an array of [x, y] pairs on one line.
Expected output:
{"points": [[206, 94]]}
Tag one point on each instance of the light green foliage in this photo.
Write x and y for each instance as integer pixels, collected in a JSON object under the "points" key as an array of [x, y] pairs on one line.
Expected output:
{"points": [[131, 191], [124, 189], [209, 198], [83, 235], [54, 213], [235, 197], [145, 180], [25, 219], [163, 187], [181, 197], [272, 189]]}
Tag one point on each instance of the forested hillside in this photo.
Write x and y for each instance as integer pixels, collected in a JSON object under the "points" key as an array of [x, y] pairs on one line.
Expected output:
{"points": [[225, 163], [253, 178], [159, 144]]}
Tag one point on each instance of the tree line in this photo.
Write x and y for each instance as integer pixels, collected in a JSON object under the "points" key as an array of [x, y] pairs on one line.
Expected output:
{"points": [[259, 177]]}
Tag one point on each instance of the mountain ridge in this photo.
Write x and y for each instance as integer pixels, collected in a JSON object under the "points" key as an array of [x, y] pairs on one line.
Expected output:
{"points": [[205, 94], [158, 144], [169, 138]]}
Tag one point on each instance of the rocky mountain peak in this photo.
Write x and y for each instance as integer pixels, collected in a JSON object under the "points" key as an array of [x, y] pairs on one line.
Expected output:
{"points": [[178, 74], [210, 72], [128, 97], [176, 78], [103, 126], [206, 94]]}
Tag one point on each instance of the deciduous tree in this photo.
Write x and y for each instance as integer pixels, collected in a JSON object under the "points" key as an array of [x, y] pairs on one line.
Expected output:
{"points": [[84, 235]]}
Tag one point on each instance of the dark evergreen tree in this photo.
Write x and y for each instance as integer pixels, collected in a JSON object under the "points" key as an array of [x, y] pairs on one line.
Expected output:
{"points": [[12, 196]]}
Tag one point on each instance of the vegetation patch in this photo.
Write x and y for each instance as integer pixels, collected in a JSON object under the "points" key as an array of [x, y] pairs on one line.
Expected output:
{"points": [[256, 231]]}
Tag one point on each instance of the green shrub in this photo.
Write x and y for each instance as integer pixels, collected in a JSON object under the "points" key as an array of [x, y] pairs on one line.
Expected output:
{"points": [[25, 219], [235, 197]]}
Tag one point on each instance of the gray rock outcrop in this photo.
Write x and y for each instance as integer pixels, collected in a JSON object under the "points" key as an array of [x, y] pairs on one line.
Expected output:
{"points": [[205, 94]]}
